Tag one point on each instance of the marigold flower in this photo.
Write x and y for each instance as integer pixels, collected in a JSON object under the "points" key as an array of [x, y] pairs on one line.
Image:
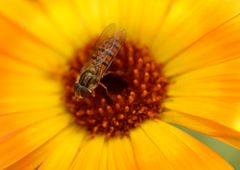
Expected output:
{"points": [[179, 65]]}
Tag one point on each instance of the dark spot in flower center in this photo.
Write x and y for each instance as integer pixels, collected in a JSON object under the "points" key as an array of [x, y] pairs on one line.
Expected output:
{"points": [[136, 87]]}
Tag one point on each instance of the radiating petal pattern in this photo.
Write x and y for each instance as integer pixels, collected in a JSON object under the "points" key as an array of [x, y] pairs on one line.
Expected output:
{"points": [[61, 12], [219, 82], [30, 19], [65, 150], [187, 22], [21, 142], [43, 156], [211, 109], [209, 50], [121, 154], [89, 154], [204, 125], [179, 149], [198, 44]]}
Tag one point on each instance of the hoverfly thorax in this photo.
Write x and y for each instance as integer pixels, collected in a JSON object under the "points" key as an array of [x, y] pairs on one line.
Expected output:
{"points": [[106, 48]]}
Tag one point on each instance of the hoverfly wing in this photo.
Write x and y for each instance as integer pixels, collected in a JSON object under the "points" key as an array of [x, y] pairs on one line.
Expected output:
{"points": [[107, 47], [107, 33], [95, 60], [111, 31]]}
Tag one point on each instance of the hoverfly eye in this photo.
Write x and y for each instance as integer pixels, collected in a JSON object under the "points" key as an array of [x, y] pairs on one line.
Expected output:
{"points": [[85, 92], [81, 91], [77, 89]]}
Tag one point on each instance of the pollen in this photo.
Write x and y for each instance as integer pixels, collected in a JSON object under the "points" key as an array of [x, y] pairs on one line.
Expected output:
{"points": [[136, 89]]}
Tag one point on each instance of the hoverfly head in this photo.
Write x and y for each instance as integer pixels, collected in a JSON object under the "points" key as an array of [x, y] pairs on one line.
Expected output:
{"points": [[81, 91]]}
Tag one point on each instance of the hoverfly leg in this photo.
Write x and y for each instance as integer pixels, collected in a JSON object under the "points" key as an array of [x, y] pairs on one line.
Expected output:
{"points": [[101, 84], [108, 72], [109, 99]]}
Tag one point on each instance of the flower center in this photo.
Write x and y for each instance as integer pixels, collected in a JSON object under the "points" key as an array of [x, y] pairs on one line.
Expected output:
{"points": [[136, 88]]}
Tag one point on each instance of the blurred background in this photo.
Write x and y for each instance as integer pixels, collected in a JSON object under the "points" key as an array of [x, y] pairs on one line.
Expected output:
{"points": [[228, 152]]}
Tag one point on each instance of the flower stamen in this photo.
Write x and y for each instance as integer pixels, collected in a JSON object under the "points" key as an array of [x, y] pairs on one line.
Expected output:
{"points": [[135, 84]]}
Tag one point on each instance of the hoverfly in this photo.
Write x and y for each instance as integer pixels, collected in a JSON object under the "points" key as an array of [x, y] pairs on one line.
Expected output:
{"points": [[105, 49]]}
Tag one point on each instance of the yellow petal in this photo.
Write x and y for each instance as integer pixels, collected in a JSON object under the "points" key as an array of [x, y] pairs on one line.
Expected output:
{"points": [[89, 154], [181, 150], [187, 22], [19, 67], [65, 150], [21, 92], [121, 154], [152, 17], [11, 122], [219, 81], [111, 164], [28, 95], [147, 154], [109, 12], [202, 125], [61, 12], [131, 22], [96, 15], [12, 82], [42, 156], [218, 46], [22, 142], [223, 113], [29, 17], [30, 103], [103, 163], [22, 47], [235, 142], [89, 11]]}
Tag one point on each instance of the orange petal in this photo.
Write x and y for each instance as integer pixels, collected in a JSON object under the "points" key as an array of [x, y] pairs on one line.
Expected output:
{"points": [[202, 125], [223, 113], [11, 122], [43, 155], [109, 12], [235, 142], [21, 91], [131, 22], [13, 84], [13, 100], [18, 67], [218, 46], [37, 25], [153, 15], [103, 163], [17, 45], [65, 150], [90, 12], [147, 154], [89, 154], [61, 12], [18, 144], [219, 81], [111, 163], [181, 151], [121, 154], [187, 22]]}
